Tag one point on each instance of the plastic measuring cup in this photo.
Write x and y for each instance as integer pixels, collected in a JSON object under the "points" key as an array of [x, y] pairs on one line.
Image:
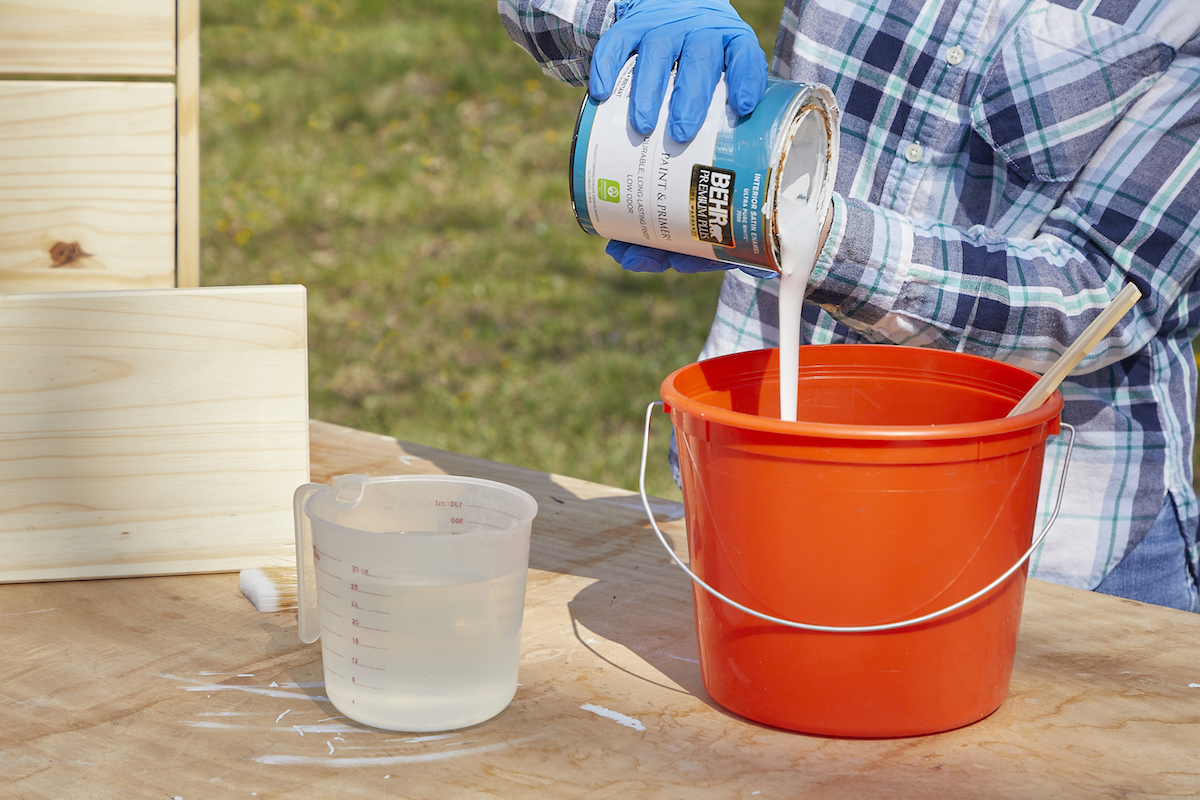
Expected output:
{"points": [[415, 586]]}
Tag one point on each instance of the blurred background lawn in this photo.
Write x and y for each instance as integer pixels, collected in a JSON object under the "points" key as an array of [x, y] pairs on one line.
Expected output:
{"points": [[407, 163]]}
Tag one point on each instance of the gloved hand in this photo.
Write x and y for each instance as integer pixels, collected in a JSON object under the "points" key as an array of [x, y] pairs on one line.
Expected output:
{"points": [[639, 258], [704, 37]]}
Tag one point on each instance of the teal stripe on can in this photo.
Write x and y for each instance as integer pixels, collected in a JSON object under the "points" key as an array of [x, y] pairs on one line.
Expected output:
{"points": [[577, 171]]}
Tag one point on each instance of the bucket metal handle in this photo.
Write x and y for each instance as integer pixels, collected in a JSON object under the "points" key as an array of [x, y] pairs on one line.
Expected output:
{"points": [[1062, 482]]}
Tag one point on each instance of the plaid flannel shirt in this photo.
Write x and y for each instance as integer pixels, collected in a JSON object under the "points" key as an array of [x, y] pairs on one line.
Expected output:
{"points": [[1006, 166]]}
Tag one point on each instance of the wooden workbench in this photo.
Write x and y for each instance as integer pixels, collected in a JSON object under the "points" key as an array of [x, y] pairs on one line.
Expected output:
{"points": [[175, 687]]}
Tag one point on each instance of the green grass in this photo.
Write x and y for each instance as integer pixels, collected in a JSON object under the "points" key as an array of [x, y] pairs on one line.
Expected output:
{"points": [[407, 163]]}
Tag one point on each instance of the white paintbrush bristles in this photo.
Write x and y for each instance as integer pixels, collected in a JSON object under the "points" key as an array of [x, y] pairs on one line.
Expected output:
{"points": [[270, 588]]}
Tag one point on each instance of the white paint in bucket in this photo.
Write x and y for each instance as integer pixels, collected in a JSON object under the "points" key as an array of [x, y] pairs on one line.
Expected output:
{"points": [[717, 196]]}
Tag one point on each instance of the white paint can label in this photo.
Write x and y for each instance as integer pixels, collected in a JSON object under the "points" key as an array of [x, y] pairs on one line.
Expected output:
{"points": [[715, 196]]}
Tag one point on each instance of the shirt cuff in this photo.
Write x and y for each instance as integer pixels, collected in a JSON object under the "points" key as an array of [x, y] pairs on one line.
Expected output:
{"points": [[860, 273]]}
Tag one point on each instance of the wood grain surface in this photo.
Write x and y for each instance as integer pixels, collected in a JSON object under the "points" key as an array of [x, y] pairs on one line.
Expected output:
{"points": [[176, 688], [150, 432], [187, 148], [85, 37], [84, 163], [87, 185]]}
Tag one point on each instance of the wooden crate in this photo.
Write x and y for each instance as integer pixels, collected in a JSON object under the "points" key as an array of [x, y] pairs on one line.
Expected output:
{"points": [[99, 174]]}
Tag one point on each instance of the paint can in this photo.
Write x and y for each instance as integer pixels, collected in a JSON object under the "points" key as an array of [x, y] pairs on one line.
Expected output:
{"points": [[715, 196]]}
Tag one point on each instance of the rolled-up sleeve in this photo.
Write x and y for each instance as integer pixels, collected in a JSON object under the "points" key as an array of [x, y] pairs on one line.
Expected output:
{"points": [[559, 34]]}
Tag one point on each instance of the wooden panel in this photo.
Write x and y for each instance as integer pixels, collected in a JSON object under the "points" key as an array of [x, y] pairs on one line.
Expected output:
{"points": [[187, 159], [150, 432], [86, 37], [87, 185]]}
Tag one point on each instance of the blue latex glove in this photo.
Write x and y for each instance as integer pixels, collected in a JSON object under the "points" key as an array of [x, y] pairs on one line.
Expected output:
{"points": [[704, 37], [639, 258]]}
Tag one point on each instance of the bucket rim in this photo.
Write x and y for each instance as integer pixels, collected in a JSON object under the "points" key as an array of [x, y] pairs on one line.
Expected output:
{"points": [[674, 398]]}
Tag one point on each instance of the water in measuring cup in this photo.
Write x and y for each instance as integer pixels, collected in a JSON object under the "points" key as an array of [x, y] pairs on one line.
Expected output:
{"points": [[425, 656]]}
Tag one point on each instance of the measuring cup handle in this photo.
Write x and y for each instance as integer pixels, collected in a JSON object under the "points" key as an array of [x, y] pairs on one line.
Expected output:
{"points": [[308, 618]]}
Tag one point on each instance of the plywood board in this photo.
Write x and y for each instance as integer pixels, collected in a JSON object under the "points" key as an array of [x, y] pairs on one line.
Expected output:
{"points": [[87, 185], [177, 687], [150, 432], [85, 37]]}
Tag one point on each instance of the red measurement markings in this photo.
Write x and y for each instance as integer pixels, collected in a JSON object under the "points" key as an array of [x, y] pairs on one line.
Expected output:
{"points": [[355, 588], [495, 511], [355, 641], [328, 629], [334, 673], [331, 594], [366, 573], [358, 663], [478, 523], [356, 623], [318, 554], [354, 604], [357, 682], [333, 652]]}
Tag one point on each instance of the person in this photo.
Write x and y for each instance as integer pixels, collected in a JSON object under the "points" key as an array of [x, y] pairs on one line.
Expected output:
{"points": [[1006, 166]]}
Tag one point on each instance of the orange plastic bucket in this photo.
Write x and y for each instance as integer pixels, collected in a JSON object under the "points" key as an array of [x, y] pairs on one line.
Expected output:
{"points": [[901, 494]]}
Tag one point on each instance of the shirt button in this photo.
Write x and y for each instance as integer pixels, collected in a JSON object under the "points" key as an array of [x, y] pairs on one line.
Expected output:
{"points": [[955, 56], [913, 152]]}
